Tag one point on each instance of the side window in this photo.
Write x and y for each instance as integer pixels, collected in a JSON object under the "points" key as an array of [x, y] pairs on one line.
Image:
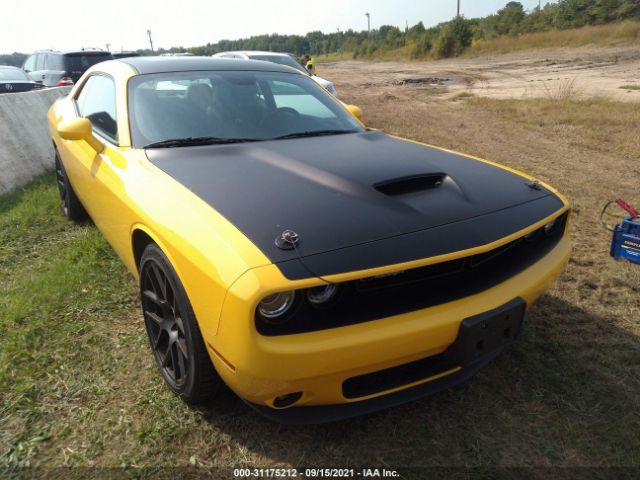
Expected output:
{"points": [[54, 62], [30, 64], [40, 61], [289, 95], [97, 102]]}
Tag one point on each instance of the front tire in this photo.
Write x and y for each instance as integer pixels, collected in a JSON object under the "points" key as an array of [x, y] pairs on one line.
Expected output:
{"points": [[71, 206], [173, 331]]}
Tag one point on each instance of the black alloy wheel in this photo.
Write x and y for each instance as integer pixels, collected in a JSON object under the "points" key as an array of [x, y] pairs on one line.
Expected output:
{"points": [[174, 336], [71, 206]]}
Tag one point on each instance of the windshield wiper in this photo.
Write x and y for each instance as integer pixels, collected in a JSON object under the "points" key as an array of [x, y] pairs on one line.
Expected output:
{"points": [[195, 141], [314, 133]]}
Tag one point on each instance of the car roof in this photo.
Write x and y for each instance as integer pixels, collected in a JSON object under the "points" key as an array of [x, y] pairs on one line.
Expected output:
{"points": [[257, 53], [88, 51], [145, 65], [263, 52]]}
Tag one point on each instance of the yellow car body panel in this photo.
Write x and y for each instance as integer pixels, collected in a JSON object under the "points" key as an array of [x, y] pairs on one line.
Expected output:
{"points": [[123, 192], [225, 275]]}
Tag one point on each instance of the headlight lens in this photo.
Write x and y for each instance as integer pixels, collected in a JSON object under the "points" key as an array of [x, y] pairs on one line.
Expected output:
{"points": [[321, 295], [273, 309]]}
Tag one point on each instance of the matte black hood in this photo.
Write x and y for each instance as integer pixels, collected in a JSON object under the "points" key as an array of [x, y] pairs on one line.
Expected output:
{"points": [[356, 200]]}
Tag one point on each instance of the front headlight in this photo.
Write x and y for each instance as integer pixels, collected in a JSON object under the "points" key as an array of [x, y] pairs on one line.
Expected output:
{"points": [[274, 308]]}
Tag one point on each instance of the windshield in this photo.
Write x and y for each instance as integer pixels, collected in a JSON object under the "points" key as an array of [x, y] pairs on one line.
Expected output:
{"points": [[281, 60], [8, 74], [238, 105], [80, 62]]}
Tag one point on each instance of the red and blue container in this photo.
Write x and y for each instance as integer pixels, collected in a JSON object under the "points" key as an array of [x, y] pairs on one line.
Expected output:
{"points": [[625, 243]]}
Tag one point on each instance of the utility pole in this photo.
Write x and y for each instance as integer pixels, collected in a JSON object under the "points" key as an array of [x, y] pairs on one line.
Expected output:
{"points": [[150, 42], [368, 23], [458, 14]]}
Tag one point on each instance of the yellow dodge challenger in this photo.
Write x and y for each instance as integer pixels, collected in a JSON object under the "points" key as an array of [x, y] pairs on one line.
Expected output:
{"points": [[318, 268]]}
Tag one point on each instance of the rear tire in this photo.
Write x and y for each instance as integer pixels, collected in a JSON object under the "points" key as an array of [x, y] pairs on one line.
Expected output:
{"points": [[71, 206], [173, 331]]}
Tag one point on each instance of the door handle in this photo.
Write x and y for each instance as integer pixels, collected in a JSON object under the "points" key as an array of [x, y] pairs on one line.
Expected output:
{"points": [[43, 77]]}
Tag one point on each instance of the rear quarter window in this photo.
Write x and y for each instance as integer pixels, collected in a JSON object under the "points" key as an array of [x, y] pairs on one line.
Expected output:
{"points": [[54, 62], [30, 64], [40, 58]]}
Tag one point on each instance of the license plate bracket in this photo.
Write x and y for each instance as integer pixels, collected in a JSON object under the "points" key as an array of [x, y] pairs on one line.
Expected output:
{"points": [[487, 333]]}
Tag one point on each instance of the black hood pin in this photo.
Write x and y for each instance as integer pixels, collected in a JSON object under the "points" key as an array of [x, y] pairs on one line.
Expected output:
{"points": [[534, 185]]}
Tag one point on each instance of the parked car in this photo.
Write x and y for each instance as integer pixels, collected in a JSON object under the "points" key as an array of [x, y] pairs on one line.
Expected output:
{"points": [[59, 69], [125, 54], [320, 269], [13, 80], [279, 58]]}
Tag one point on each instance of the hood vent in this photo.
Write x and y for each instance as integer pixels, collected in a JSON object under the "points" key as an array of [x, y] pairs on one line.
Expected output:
{"points": [[410, 184]]}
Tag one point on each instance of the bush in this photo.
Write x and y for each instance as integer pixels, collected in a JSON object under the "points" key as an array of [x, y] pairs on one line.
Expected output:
{"points": [[454, 37], [422, 47]]}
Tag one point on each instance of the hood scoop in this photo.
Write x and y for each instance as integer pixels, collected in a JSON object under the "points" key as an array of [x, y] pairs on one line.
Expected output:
{"points": [[410, 184]]}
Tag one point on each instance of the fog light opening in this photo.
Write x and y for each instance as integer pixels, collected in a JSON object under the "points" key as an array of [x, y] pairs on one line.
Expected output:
{"points": [[284, 401], [549, 228]]}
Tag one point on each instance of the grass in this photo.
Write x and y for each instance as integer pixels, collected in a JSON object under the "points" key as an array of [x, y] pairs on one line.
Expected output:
{"points": [[59, 283], [609, 34], [630, 87], [462, 96], [79, 388]]}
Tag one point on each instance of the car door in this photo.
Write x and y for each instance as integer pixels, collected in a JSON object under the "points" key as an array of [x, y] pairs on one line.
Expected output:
{"points": [[39, 73], [96, 177]]}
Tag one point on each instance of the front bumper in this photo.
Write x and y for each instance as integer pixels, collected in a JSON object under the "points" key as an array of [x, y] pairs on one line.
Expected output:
{"points": [[480, 339], [331, 413], [260, 368]]}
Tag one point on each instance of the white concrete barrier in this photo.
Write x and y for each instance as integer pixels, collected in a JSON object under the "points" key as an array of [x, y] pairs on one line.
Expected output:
{"points": [[25, 144]]}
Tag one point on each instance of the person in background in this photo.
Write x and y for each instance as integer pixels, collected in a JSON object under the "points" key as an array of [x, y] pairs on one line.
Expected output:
{"points": [[310, 64]]}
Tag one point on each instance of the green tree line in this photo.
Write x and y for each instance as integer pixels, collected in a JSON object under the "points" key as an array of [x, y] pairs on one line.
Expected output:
{"points": [[445, 40]]}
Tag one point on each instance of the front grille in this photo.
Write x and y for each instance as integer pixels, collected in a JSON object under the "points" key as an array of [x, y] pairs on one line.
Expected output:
{"points": [[410, 290], [399, 376]]}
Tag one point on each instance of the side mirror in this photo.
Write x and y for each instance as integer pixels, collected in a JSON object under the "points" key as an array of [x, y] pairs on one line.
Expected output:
{"points": [[80, 129], [355, 111]]}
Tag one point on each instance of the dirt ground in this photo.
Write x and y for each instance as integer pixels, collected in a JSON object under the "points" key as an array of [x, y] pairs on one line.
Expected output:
{"points": [[581, 72]]}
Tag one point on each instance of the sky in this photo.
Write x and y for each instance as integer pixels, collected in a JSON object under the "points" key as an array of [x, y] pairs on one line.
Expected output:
{"points": [[40, 24]]}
